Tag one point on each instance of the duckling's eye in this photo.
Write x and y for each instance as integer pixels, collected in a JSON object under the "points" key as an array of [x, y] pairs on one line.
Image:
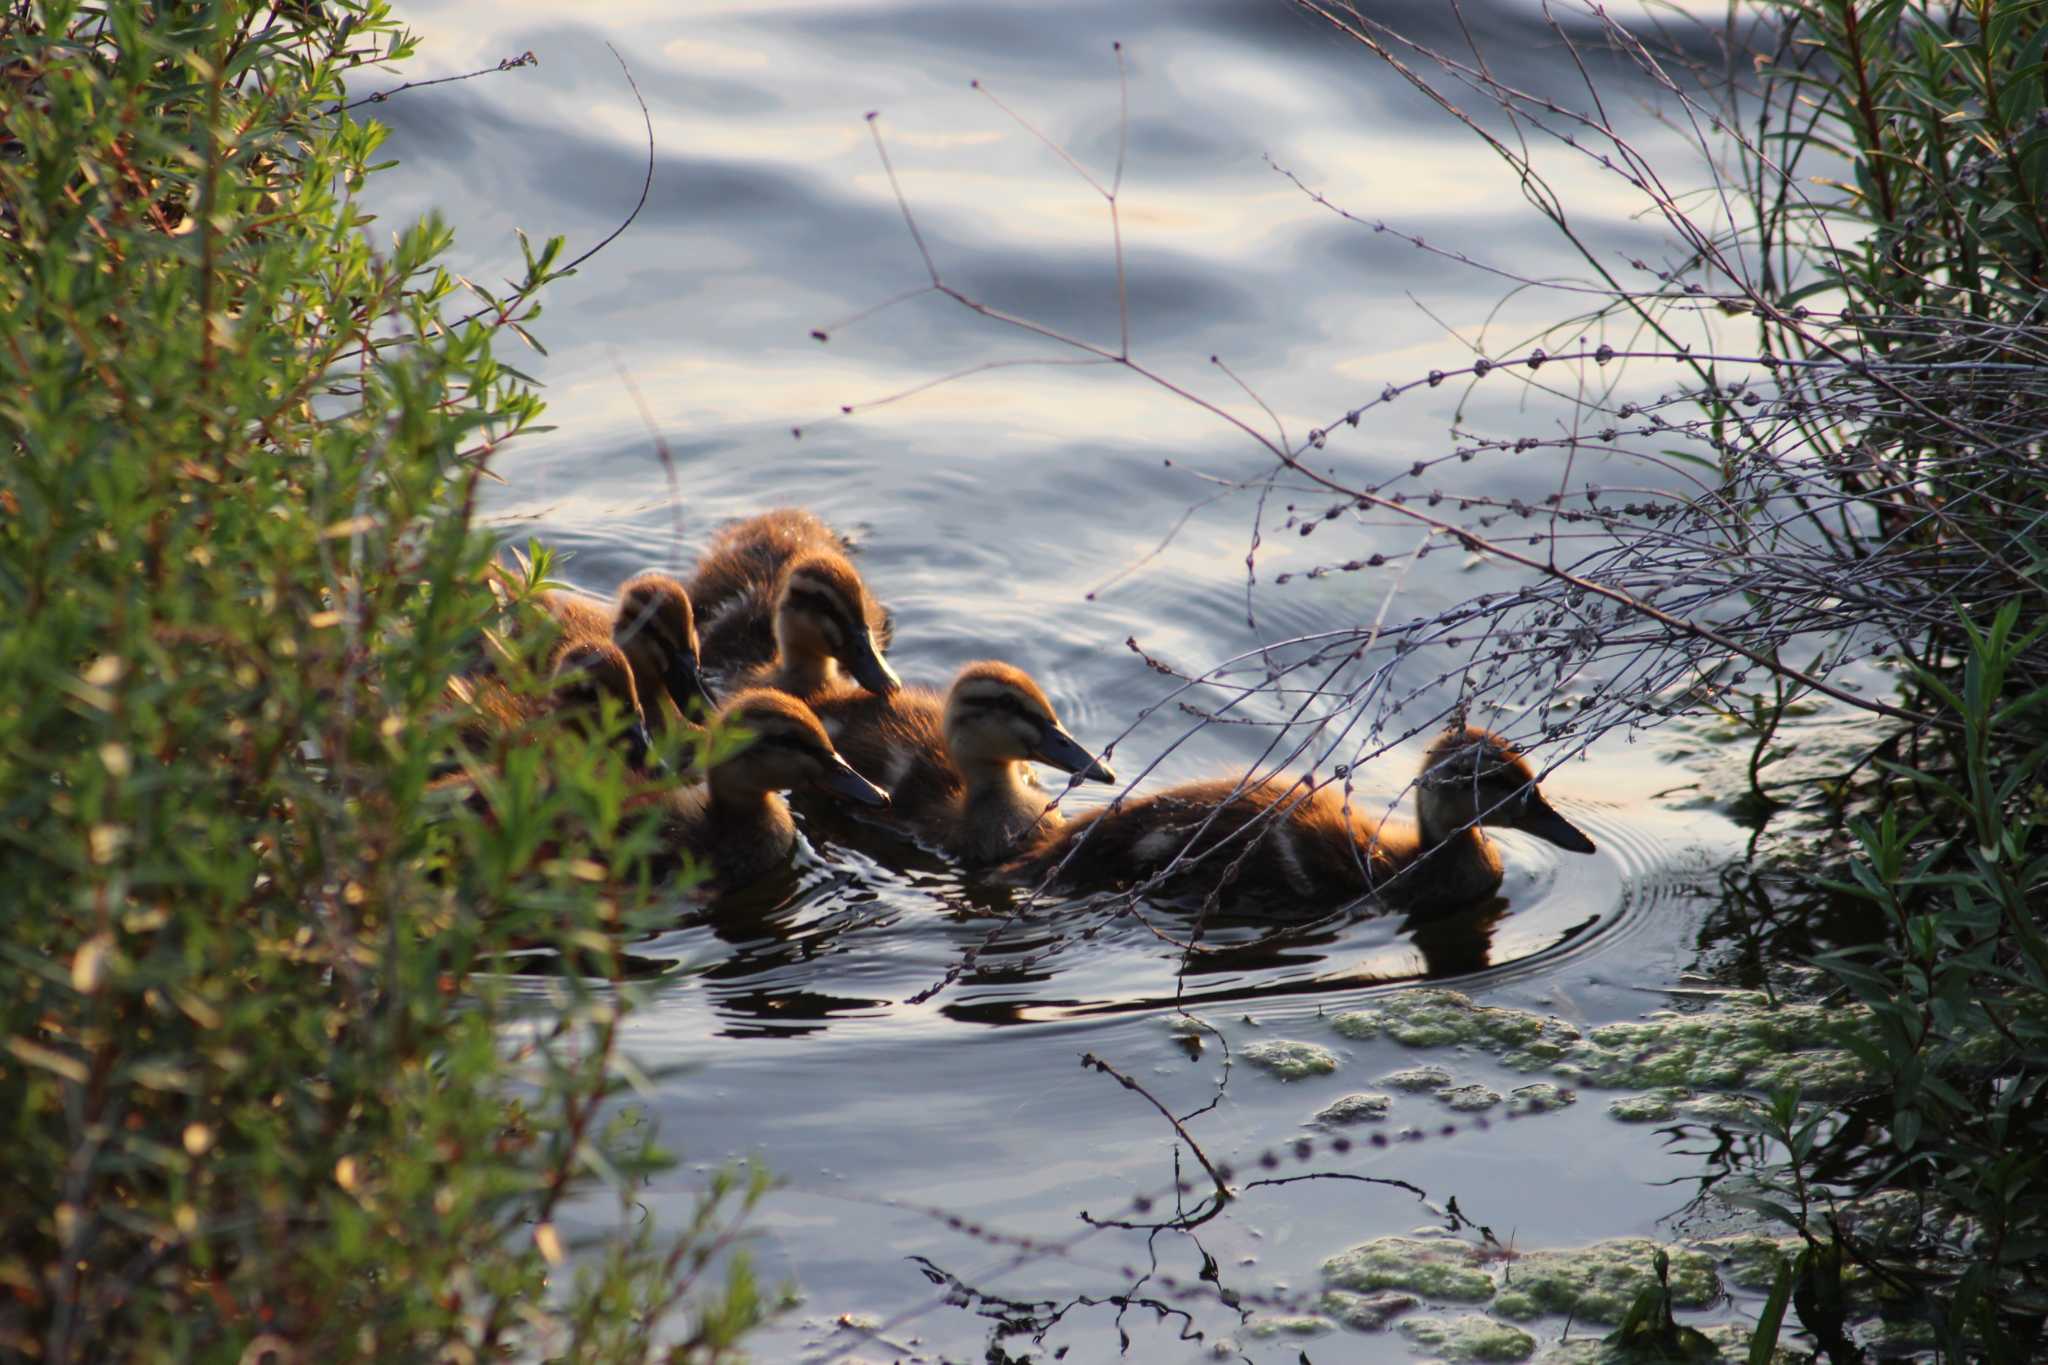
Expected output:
{"points": [[789, 740], [817, 603], [1016, 707]]}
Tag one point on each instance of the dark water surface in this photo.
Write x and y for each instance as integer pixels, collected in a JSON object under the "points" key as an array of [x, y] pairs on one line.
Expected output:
{"points": [[987, 510]]}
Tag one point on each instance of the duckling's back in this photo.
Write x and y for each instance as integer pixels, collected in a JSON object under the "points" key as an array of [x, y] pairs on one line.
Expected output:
{"points": [[580, 617], [737, 578], [735, 850], [896, 741], [753, 552], [1311, 848]]}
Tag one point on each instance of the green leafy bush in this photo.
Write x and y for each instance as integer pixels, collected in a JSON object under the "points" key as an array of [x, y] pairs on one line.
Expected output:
{"points": [[1934, 248], [254, 1058]]}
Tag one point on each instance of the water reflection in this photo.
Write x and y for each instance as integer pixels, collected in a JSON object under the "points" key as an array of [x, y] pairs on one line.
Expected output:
{"points": [[851, 935]]}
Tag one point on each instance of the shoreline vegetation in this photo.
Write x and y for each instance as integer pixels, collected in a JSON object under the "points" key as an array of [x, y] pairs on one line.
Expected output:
{"points": [[273, 1091], [272, 1094]]}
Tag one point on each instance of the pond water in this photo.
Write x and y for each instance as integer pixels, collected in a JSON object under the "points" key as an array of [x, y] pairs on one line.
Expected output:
{"points": [[1024, 511]]}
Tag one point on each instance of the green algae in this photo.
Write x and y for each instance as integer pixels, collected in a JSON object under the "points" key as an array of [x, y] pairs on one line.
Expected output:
{"points": [[1365, 1312], [1469, 1099], [1732, 1340], [1440, 1018], [1886, 1217], [1750, 1260], [1437, 1269], [1295, 1325], [1651, 1106], [1900, 1217], [1897, 1336], [1470, 1337], [1540, 1098], [1677, 1102], [1718, 1107], [1290, 1059], [1598, 1283], [1745, 1042], [1417, 1078], [1363, 1107], [1729, 1339]]}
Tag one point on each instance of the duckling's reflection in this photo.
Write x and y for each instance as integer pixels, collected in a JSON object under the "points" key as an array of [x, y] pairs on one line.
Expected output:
{"points": [[772, 1012], [775, 927], [784, 928], [1430, 947]]}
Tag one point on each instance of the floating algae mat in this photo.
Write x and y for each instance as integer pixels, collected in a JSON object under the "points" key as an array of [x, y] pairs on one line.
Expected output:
{"points": [[1594, 1285], [1745, 1042], [1436, 1268], [1455, 1301], [1470, 1337], [1290, 1059]]}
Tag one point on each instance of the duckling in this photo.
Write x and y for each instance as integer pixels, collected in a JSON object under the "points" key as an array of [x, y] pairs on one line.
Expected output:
{"points": [[957, 767], [656, 627], [822, 632], [749, 553], [742, 582], [583, 674], [734, 819], [1304, 844]]}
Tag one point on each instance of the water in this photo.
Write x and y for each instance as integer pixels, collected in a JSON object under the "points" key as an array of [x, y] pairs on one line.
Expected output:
{"points": [[1020, 511]]}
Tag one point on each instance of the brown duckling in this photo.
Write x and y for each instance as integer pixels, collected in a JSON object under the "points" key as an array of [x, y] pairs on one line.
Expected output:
{"points": [[743, 556], [734, 819], [822, 632], [1306, 845], [583, 676], [740, 588], [654, 623], [957, 767]]}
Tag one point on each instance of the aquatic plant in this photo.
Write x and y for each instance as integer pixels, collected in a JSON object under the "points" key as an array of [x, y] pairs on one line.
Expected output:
{"points": [[271, 1092]]}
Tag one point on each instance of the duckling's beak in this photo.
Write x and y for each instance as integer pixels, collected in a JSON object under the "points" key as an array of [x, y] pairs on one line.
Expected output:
{"points": [[1539, 819], [841, 780], [640, 750], [869, 668], [1061, 750], [685, 682]]}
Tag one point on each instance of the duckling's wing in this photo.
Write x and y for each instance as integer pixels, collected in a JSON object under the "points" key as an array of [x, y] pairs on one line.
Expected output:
{"points": [[896, 741]]}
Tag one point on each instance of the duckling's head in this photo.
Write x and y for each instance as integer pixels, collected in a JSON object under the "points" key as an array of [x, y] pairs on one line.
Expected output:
{"points": [[588, 673], [785, 748], [1472, 776], [658, 630], [995, 714], [822, 612]]}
